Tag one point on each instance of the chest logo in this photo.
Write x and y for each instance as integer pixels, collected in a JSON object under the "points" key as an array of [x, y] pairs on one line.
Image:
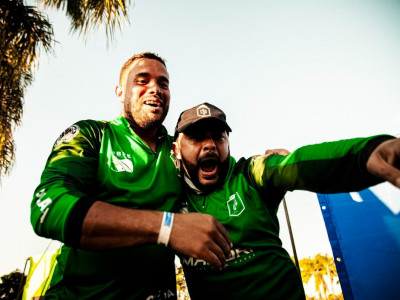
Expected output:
{"points": [[121, 165], [235, 205]]}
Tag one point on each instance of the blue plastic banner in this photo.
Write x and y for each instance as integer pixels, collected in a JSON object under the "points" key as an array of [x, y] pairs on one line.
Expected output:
{"points": [[364, 232]]}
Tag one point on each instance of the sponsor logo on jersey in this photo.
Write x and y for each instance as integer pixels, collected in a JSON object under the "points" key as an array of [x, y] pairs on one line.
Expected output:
{"points": [[121, 164], [67, 135], [238, 256], [235, 205]]}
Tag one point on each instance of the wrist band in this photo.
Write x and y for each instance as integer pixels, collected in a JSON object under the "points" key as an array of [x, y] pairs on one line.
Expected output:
{"points": [[165, 230]]}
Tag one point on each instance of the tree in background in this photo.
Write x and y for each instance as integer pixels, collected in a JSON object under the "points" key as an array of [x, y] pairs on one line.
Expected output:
{"points": [[88, 15], [11, 284], [24, 32], [322, 270], [181, 287], [319, 269]]}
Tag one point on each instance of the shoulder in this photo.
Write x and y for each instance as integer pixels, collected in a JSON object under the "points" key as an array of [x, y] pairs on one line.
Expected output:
{"points": [[240, 167], [250, 167], [91, 124], [243, 164], [91, 129], [165, 136]]}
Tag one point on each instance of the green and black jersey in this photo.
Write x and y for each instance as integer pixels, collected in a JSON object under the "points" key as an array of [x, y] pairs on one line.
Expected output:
{"points": [[247, 204], [107, 161]]}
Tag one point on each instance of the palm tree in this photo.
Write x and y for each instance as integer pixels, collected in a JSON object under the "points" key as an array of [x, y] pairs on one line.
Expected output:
{"points": [[24, 32], [181, 287], [87, 15], [10, 285], [317, 268], [332, 272], [321, 269]]}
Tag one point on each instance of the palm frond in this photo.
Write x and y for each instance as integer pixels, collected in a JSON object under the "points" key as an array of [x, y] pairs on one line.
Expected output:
{"points": [[24, 33], [89, 15]]}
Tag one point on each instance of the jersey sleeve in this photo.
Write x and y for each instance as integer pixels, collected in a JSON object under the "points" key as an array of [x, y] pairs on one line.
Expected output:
{"points": [[66, 188], [332, 167]]}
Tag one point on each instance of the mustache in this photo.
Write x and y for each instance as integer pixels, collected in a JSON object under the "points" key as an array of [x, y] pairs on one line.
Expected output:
{"points": [[208, 155]]}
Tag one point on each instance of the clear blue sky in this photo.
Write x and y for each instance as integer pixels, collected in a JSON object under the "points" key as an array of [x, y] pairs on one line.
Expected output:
{"points": [[287, 73]]}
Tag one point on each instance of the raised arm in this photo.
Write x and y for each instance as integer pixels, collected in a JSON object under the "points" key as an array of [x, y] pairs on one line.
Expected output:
{"points": [[384, 161], [331, 167]]}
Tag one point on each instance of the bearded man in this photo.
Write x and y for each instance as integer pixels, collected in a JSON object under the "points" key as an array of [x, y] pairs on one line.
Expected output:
{"points": [[108, 191], [244, 196]]}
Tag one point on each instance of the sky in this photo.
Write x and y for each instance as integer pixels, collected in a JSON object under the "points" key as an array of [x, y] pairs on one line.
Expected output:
{"points": [[286, 73]]}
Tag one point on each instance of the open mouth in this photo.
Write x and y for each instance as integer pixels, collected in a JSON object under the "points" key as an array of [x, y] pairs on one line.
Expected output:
{"points": [[153, 103], [208, 166]]}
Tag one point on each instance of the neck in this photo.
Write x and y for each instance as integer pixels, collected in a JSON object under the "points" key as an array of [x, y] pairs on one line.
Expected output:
{"points": [[191, 185], [148, 135]]}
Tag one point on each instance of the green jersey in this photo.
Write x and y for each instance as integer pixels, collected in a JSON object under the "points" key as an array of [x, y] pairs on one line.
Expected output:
{"points": [[106, 161], [247, 204]]}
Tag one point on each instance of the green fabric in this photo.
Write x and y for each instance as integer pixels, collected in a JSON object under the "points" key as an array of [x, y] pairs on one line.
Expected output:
{"points": [[247, 204], [313, 168], [107, 161]]}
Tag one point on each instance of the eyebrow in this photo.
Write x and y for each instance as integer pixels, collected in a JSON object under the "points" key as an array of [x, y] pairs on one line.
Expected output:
{"points": [[146, 74]]}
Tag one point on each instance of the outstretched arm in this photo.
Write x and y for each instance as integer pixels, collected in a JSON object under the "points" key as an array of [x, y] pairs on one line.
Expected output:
{"points": [[384, 161], [331, 167]]}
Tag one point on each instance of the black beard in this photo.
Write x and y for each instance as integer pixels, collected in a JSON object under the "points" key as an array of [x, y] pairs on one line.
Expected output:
{"points": [[191, 171]]}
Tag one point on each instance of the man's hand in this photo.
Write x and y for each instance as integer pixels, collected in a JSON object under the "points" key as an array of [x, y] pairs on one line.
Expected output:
{"points": [[201, 236], [384, 161], [276, 151], [107, 226]]}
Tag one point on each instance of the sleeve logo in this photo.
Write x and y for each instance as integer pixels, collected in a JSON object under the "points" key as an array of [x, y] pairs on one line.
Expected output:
{"points": [[67, 135], [43, 203]]}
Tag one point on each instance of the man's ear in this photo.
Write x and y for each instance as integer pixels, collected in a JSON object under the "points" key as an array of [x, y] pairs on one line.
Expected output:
{"points": [[177, 151], [119, 92]]}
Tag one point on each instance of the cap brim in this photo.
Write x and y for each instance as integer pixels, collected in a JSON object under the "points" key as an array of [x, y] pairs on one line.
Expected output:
{"points": [[197, 122]]}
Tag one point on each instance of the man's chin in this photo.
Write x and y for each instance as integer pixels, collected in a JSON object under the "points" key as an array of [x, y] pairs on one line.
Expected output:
{"points": [[209, 185], [152, 124], [145, 122]]}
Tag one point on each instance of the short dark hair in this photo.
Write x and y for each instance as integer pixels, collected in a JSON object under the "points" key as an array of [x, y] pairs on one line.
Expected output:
{"points": [[129, 62]]}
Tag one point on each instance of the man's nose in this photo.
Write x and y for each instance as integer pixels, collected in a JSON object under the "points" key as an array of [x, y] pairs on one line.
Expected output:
{"points": [[154, 88], [208, 144]]}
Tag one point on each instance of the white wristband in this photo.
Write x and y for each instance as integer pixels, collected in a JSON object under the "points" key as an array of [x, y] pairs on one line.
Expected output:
{"points": [[165, 230]]}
